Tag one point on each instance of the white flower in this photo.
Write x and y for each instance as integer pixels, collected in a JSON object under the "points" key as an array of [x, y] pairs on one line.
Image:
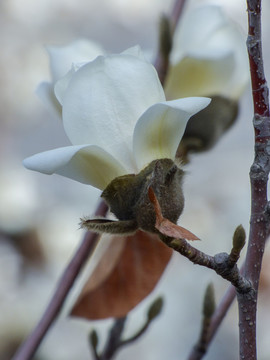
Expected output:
{"points": [[118, 120], [209, 56], [62, 59]]}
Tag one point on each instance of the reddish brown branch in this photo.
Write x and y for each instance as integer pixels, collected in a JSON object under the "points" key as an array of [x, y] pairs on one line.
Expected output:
{"points": [[259, 221], [29, 347]]}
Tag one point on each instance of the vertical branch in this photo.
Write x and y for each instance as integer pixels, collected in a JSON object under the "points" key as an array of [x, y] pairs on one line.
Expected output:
{"points": [[176, 13], [166, 31], [259, 171]]}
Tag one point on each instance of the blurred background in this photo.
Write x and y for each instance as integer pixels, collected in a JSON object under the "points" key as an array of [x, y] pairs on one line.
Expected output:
{"points": [[39, 214]]}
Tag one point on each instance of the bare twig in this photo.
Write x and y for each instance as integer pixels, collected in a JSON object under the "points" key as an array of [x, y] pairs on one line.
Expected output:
{"points": [[221, 312], [223, 264], [153, 311], [166, 31], [208, 309], [176, 13], [29, 347], [219, 263], [114, 341]]}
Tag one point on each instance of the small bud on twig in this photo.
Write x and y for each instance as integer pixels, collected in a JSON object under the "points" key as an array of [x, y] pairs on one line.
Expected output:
{"points": [[209, 304], [155, 309], [93, 339], [239, 239]]}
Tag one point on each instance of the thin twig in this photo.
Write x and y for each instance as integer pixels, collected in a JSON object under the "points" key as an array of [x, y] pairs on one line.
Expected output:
{"points": [[219, 263], [166, 31], [223, 264], [217, 319], [200, 347], [176, 13], [29, 347], [114, 339]]}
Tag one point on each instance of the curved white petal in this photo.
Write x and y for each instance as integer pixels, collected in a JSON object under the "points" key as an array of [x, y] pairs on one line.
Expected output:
{"points": [[85, 163], [46, 94], [212, 54], [135, 51], [61, 85], [62, 58], [200, 74], [160, 129], [195, 29], [232, 37], [104, 100]]}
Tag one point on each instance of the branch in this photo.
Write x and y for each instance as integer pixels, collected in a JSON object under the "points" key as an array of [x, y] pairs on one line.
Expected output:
{"points": [[259, 220], [176, 13], [167, 27], [200, 348], [114, 339], [29, 347], [220, 263], [223, 264]]}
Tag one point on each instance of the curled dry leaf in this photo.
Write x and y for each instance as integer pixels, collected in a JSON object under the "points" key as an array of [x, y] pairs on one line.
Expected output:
{"points": [[126, 274], [165, 226]]}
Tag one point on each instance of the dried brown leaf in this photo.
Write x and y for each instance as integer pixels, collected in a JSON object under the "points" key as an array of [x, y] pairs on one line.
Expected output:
{"points": [[117, 286], [165, 226]]}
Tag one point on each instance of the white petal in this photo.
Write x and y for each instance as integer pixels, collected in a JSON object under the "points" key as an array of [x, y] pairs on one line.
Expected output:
{"points": [[61, 85], [200, 74], [46, 94], [62, 58], [86, 164], [135, 51], [215, 38], [195, 28], [233, 37], [160, 129], [104, 100]]}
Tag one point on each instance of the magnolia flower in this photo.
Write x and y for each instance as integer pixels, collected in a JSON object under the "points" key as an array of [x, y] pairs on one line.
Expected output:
{"points": [[62, 59], [117, 119], [209, 56]]}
